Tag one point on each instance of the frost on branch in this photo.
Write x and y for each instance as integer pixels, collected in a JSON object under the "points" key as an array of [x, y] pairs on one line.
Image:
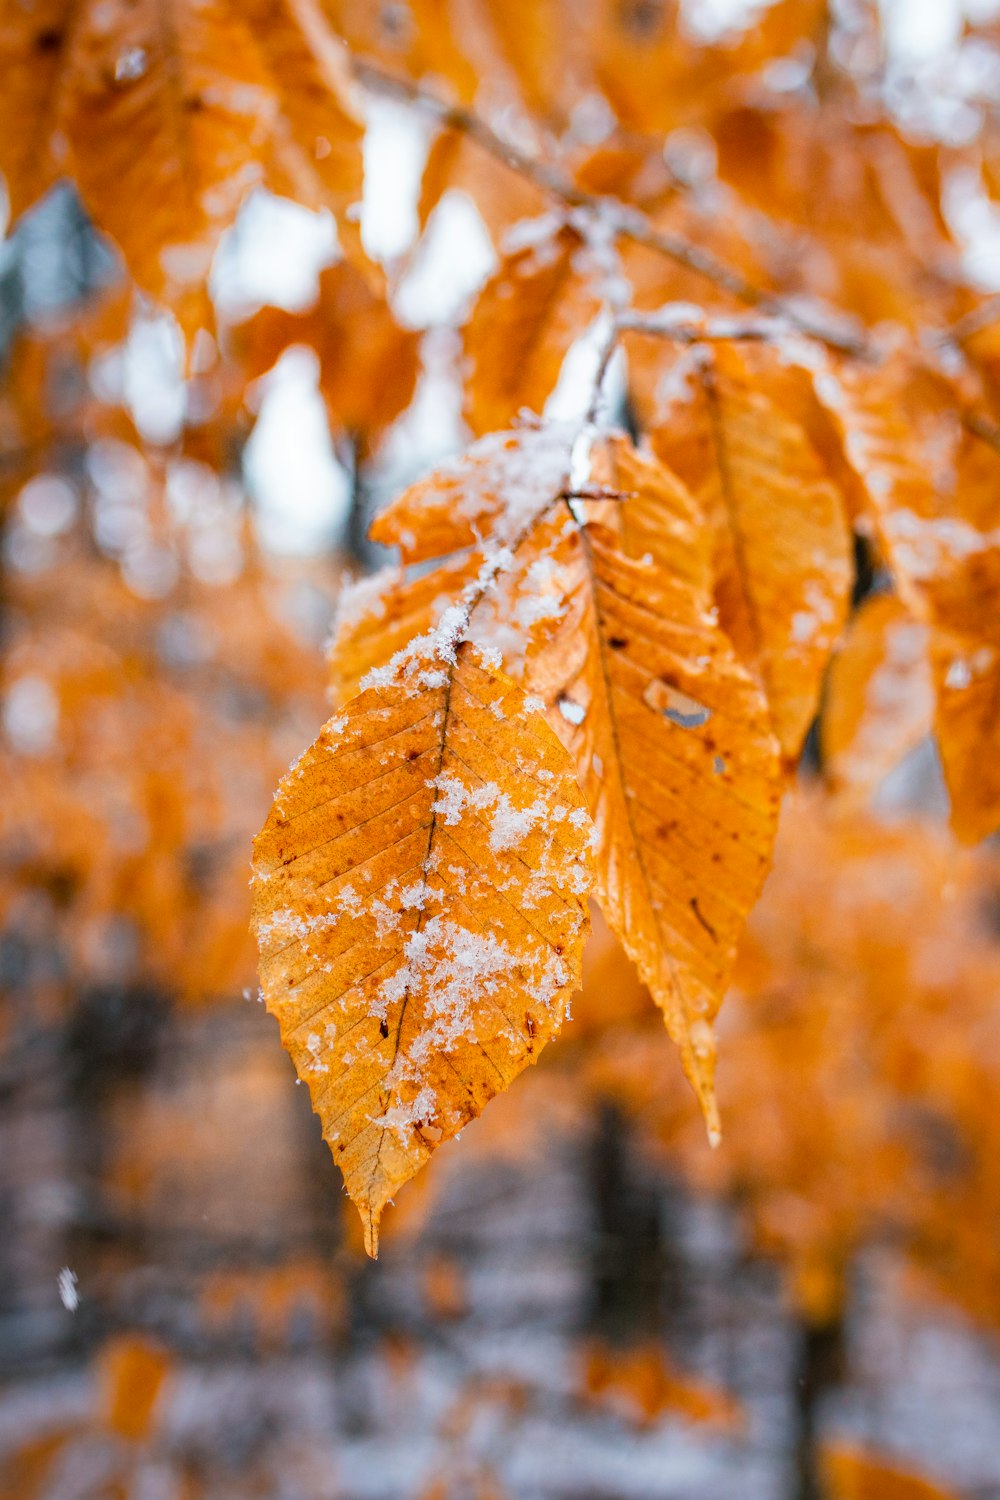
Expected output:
{"points": [[420, 900]]}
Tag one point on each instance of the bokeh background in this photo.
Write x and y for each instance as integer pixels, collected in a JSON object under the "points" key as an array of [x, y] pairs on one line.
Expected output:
{"points": [[577, 1299]]}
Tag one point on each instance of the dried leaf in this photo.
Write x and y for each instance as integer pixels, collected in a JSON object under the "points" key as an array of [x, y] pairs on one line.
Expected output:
{"points": [[167, 112], [527, 315], [421, 42], [783, 562], [879, 701], [133, 1371], [673, 749], [503, 196], [967, 723], [641, 1382], [381, 614], [368, 365], [420, 903], [493, 490], [932, 495]]}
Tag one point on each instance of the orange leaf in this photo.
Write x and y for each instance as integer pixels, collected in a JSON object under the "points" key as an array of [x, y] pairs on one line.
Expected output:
{"points": [[783, 564], [879, 701], [420, 904], [967, 723], [641, 1382], [133, 1371], [527, 315], [672, 747], [368, 365], [167, 112], [853, 1474], [489, 491]]}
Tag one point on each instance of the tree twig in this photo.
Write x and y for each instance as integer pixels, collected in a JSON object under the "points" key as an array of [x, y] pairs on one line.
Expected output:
{"points": [[624, 222], [629, 223]]}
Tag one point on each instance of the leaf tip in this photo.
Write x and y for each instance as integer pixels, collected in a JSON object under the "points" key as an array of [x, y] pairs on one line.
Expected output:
{"points": [[371, 1218]]}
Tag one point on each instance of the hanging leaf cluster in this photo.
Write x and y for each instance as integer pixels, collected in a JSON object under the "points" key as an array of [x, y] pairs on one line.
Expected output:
{"points": [[730, 493]]}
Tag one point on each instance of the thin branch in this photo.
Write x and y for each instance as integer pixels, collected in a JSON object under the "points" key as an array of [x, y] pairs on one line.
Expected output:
{"points": [[475, 127], [595, 493], [604, 360], [982, 427], [631, 224], [707, 331], [974, 321], [625, 222]]}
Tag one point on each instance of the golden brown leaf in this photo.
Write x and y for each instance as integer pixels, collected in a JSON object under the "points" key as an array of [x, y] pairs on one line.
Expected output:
{"points": [[368, 364], [492, 490], [527, 315], [967, 724], [133, 1371], [782, 564], [167, 112], [456, 163], [865, 203], [672, 746], [641, 1382], [933, 504], [420, 903], [380, 615], [879, 700], [886, 425], [420, 41]]}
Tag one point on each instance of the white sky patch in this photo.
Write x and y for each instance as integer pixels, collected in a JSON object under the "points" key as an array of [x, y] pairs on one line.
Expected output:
{"points": [[974, 219], [68, 1293], [396, 143], [918, 31], [708, 20], [454, 259], [300, 491], [151, 374], [272, 255], [30, 715], [574, 388]]}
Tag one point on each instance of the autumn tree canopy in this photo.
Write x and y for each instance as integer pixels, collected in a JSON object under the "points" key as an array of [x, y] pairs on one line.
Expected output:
{"points": [[727, 512]]}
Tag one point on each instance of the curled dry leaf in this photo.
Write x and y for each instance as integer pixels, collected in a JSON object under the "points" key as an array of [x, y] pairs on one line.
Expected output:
{"points": [[783, 565], [967, 723], [420, 901], [672, 746], [522, 325], [879, 701]]}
